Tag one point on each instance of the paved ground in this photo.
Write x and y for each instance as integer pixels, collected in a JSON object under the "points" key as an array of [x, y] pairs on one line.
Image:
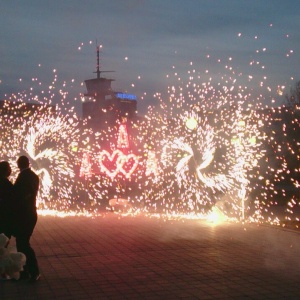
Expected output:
{"points": [[114, 257]]}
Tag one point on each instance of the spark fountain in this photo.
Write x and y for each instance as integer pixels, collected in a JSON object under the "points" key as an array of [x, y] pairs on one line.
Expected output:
{"points": [[203, 154], [208, 151]]}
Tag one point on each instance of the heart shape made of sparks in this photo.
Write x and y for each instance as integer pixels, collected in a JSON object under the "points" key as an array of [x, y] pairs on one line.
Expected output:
{"points": [[122, 163]]}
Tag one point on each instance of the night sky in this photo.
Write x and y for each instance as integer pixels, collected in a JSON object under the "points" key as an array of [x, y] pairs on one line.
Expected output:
{"points": [[143, 41]]}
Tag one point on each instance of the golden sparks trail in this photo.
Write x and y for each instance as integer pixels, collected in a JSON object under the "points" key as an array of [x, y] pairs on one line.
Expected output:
{"points": [[210, 149]]}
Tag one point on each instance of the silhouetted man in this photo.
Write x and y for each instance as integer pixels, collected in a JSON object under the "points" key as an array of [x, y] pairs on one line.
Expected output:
{"points": [[25, 192]]}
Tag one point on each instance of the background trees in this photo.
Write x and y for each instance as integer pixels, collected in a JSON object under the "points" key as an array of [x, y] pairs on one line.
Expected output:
{"points": [[292, 98]]}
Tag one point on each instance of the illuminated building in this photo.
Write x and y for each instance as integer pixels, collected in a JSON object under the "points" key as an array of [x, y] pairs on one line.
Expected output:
{"points": [[102, 105]]}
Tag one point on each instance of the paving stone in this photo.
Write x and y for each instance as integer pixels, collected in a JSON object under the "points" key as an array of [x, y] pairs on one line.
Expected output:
{"points": [[138, 257]]}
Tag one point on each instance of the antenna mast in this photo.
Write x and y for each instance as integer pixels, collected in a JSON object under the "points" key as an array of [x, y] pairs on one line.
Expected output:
{"points": [[98, 63], [98, 72]]}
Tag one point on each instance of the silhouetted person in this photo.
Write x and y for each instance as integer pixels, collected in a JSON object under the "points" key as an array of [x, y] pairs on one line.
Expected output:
{"points": [[25, 192], [6, 204]]}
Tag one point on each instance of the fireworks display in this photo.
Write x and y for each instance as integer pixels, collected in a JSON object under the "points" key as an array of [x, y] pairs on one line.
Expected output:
{"points": [[209, 146]]}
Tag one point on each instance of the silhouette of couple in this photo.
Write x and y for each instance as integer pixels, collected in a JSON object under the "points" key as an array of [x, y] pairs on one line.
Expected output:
{"points": [[18, 214]]}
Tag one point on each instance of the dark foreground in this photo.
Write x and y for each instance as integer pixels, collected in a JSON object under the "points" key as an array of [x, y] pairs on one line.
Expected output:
{"points": [[114, 257]]}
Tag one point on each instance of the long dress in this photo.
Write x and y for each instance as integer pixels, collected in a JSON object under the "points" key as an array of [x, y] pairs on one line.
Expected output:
{"points": [[6, 207]]}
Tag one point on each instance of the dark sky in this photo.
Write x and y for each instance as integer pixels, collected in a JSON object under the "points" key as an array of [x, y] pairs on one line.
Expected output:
{"points": [[144, 40]]}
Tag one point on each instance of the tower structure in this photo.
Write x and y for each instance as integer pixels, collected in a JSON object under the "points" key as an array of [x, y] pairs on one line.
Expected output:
{"points": [[102, 104]]}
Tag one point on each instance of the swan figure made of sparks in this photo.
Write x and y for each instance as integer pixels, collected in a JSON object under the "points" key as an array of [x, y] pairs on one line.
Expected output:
{"points": [[198, 171]]}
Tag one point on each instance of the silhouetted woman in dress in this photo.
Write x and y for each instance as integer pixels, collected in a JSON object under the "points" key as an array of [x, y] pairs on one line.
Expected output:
{"points": [[6, 203]]}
